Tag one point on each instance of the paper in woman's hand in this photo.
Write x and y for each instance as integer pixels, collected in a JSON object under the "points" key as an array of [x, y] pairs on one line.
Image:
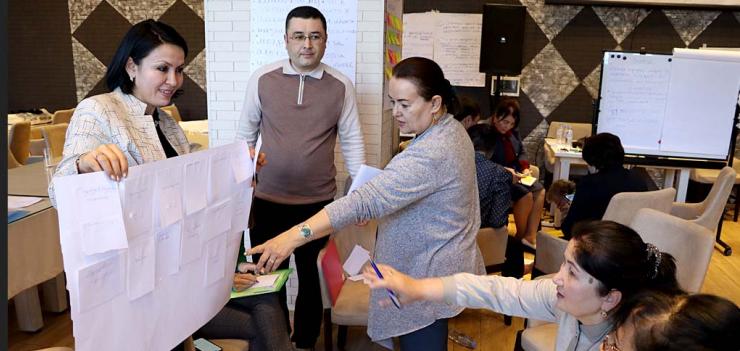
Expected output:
{"points": [[528, 180]]}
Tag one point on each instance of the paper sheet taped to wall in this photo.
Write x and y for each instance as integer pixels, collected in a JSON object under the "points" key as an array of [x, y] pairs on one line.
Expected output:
{"points": [[450, 39]]}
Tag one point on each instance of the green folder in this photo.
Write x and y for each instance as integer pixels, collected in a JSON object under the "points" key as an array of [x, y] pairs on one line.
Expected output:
{"points": [[279, 282]]}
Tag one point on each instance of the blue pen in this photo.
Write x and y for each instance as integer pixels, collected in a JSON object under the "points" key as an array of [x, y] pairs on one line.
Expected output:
{"points": [[391, 294]]}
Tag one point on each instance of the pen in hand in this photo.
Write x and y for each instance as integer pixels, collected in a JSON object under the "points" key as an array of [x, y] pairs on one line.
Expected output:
{"points": [[391, 294]]}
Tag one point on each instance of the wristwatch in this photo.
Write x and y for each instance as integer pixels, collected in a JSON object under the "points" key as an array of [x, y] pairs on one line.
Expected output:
{"points": [[305, 230]]}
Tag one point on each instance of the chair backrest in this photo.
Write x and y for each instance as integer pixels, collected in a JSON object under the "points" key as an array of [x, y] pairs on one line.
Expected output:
{"points": [[580, 130], [62, 116], [54, 135], [12, 163], [36, 132], [689, 243], [19, 140], [331, 275], [549, 254], [492, 245], [624, 206], [173, 112], [714, 204]]}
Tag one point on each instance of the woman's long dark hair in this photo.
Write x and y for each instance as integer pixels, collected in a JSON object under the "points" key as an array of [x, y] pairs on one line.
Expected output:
{"points": [[618, 257], [138, 42]]}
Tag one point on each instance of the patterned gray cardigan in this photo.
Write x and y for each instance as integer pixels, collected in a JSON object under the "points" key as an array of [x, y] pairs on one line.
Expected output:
{"points": [[426, 203]]}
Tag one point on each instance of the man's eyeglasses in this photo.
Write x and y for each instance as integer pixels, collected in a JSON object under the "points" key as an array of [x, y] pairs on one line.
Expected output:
{"points": [[300, 37]]}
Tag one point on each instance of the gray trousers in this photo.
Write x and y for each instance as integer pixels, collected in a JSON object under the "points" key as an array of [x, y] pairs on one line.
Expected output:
{"points": [[257, 319]]}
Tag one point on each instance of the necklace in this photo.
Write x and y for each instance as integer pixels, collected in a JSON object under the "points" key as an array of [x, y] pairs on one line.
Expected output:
{"points": [[602, 330]]}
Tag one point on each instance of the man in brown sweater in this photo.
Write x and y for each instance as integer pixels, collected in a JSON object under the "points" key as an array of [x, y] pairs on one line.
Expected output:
{"points": [[299, 106]]}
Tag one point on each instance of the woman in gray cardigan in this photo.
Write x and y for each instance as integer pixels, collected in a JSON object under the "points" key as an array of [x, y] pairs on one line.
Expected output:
{"points": [[426, 203], [606, 266]]}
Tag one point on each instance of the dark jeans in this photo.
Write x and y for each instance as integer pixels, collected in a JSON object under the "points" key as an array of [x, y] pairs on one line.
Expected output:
{"points": [[257, 319], [514, 264], [429, 338], [271, 219]]}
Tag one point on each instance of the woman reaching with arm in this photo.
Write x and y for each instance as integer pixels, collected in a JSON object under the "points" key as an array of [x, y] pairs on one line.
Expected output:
{"points": [[426, 203], [605, 263]]}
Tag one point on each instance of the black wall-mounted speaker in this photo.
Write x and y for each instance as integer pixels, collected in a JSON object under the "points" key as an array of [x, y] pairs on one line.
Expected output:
{"points": [[502, 39]]}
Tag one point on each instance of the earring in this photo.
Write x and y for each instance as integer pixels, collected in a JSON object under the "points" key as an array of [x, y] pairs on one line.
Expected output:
{"points": [[604, 314]]}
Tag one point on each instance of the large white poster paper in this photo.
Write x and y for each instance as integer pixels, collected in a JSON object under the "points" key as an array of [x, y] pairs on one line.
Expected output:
{"points": [[116, 302]]}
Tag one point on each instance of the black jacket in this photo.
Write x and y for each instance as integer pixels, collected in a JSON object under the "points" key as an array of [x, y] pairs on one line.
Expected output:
{"points": [[594, 191]]}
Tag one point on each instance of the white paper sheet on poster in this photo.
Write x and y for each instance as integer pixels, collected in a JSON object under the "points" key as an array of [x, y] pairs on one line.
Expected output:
{"points": [[118, 286], [137, 190], [141, 263], [99, 223], [450, 39], [268, 45]]}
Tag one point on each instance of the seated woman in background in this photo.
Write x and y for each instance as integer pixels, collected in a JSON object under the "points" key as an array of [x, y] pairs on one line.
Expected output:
{"points": [[258, 319], [676, 322], [593, 192], [509, 152], [605, 264], [494, 193]]}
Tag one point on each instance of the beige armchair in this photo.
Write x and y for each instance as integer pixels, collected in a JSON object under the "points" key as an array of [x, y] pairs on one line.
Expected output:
{"points": [[19, 141], [492, 244], [12, 163], [690, 244], [173, 112], [62, 116], [54, 136], [345, 302], [709, 176], [622, 209], [708, 213]]}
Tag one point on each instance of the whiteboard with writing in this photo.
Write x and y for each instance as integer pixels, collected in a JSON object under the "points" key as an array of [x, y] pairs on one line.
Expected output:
{"points": [[680, 105], [268, 30]]}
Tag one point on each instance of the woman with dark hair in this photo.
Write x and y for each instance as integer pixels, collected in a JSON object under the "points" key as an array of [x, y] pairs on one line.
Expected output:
{"points": [[509, 152], [127, 127], [426, 203], [676, 322], [109, 132], [593, 192], [605, 263], [469, 113]]}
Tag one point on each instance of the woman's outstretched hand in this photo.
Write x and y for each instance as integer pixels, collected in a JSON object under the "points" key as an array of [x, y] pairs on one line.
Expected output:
{"points": [[406, 288], [276, 250]]}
